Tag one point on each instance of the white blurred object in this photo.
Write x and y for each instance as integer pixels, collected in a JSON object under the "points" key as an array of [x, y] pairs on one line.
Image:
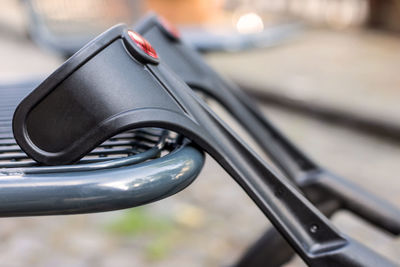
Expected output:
{"points": [[249, 23], [339, 14]]}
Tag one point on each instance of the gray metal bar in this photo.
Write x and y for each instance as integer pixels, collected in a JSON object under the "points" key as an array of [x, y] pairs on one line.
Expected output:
{"points": [[26, 194]]}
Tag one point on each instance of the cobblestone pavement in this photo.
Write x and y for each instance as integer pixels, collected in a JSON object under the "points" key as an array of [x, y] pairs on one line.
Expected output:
{"points": [[212, 222]]}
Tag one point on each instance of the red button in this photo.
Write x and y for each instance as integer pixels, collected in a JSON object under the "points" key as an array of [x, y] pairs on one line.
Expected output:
{"points": [[143, 44], [170, 28]]}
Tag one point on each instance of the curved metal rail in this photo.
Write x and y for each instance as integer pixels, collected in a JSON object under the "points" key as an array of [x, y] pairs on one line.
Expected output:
{"points": [[25, 194]]}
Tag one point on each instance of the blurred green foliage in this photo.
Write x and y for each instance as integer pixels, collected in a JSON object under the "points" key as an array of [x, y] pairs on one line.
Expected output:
{"points": [[140, 222]]}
